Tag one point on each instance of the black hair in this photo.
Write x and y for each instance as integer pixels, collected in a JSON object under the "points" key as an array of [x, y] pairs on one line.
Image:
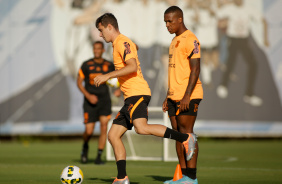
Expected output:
{"points": [[106, 19], [174, 9], [99, 42]]}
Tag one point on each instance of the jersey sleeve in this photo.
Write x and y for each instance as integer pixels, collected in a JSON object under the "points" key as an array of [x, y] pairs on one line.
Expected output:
{"points": [[82, 71], [127, 50], [193, 48]]}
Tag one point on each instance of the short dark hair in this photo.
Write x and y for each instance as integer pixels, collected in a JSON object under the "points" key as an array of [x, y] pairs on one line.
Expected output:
{"points": [[175, 9], [106, 19], [99, 42]]}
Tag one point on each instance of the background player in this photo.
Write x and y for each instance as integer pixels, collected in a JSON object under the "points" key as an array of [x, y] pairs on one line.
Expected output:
{"points": [[184, 87], [137, 96], [97, 101]]}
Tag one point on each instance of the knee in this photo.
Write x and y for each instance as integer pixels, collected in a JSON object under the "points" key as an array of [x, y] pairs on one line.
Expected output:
{"points": [[141, 130], [110, 138], [88, 133], [184, 129], [103, 128]]}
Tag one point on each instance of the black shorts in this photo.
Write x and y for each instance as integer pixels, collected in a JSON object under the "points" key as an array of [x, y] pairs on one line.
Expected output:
{"points": [[173, 107], [134, 107], [92, 112]]}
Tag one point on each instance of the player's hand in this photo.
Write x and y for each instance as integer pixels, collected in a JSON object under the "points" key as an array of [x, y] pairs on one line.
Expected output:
{"points": [[93, 99], [184, 103], [165, 108], [100, 79]]}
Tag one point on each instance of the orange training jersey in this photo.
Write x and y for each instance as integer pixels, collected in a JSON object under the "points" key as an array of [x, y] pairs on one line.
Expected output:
{"points": [[183, 48], [133, 84]]}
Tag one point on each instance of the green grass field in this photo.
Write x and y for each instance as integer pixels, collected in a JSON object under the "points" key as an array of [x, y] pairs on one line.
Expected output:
{"points": [[220, 162]]}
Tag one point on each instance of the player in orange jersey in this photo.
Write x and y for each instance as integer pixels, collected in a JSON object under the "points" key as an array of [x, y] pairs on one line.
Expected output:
{"points": [[184, 86], [137, 96]]}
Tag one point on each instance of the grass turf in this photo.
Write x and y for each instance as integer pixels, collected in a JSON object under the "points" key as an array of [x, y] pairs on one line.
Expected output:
{"points": [[220, 162]]}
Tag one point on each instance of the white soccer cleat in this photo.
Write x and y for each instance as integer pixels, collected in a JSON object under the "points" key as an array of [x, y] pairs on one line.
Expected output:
{"points": [[253, 100], [190, 146], [222, 91]]}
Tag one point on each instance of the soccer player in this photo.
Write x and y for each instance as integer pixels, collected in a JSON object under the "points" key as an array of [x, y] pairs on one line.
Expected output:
{"points": [[137, 96], [184, 87], [97, 101]]}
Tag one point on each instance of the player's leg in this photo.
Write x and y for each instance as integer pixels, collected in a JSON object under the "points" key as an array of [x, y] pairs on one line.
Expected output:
{"points": [[186, 125], [104, 112], [120, 125], [89, 127], [179, 147], [90, 117], [188, 140], [139, 116], [172, 108], [87, 134], [102, 138], [115, 134]]}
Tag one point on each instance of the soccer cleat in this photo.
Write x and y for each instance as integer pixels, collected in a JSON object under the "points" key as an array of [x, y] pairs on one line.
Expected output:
{"points": [[253, 100], [222, 92], [168, 181], [189, 146], [84, 155], [185, 180], [98, 161], [125, 180]]}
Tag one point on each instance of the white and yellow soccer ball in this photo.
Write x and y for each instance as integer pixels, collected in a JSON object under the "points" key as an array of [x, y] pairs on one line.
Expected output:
{"points": [[72, 175], [113, 82]]}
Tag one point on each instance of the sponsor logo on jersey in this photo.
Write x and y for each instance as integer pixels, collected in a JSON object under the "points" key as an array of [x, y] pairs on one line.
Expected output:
{"points": [[176, 45], [196, 47]]}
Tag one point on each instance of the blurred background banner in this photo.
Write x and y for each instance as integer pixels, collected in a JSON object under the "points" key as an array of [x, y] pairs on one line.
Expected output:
{"points": [[44, 42]]}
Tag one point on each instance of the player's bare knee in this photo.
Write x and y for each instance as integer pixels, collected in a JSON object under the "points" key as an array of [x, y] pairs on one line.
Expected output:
{"points": [[104, 128], [110, 138], [141, 130], [88, 133]]}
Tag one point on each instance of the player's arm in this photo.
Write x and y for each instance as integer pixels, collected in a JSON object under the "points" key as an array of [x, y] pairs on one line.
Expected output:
{"points": [[165, 108], [90, 97], [194, 75], [130, 67]]}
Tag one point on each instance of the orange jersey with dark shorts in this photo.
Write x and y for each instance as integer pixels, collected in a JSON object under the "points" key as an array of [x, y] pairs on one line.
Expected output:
{"points": [[183, 48], [133, 84]]}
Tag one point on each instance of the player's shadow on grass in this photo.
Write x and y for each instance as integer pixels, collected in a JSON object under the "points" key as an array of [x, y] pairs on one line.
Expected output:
{"points": [[159, 178], [110, 180], [90, 161]]}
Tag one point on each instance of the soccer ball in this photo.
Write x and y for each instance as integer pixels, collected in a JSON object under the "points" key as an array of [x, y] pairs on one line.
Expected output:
{"points": [[113, 82], [72, 175]]}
